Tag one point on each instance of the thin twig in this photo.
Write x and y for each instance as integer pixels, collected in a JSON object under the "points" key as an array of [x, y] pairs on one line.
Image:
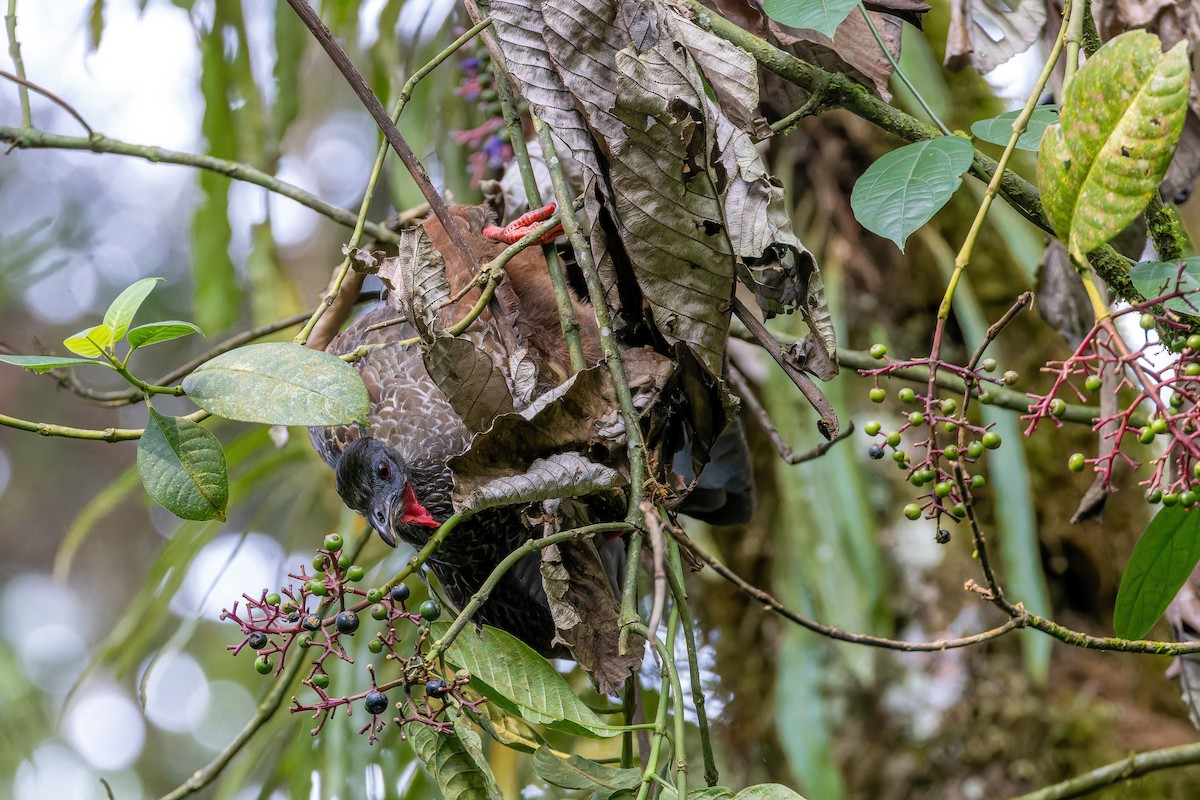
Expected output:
{"points": [[1134, 766], [51, 96], [14, 51], [658, 550], [742, 387], [770, 603]]}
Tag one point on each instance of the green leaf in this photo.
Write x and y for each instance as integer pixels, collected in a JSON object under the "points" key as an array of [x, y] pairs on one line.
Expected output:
{"points": [[818, 15], [279, 383], [1121, 119], [91, 342], [998, 130], [456, 761], [1161, 561], [904, 189], [767, 791], [515, 677], [183, 468], [576, 772], [121, 312], [1157, 278], [95, 25], [41, 364], [155, 332]]}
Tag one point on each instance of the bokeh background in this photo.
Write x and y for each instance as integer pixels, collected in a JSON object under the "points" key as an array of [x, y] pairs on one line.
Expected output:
{"points": [[113, 663]]}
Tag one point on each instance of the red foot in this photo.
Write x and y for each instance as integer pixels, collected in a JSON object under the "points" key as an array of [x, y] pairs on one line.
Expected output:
{"points": [[523, 225]]}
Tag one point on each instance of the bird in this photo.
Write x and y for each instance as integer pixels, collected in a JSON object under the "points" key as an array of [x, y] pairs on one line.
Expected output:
{"points": [[394, 469]]}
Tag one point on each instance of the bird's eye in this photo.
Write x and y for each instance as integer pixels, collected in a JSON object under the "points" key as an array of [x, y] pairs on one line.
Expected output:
{"points": [[384, 470]]}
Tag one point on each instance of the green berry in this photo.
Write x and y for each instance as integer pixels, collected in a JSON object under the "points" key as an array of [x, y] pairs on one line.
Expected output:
{"points": [[374, 595], [949, 406], [958, 510], [916, 418], [355, 573], [375, 646], [872, 428], [978, 481], [986, 398], [912, 511], [262, 665], [1076, 462], [273, 599], [917, 478], [1193, 341], [1170, 499], [1159, 425], [379, 611], [1146, 321], [430, 610], [878, 395], [949, 426], [1010, 377], [988, 365], [333, 542], [1146, 436], [316, 588], [878, 351], [1154, 496], [991, 440], [344, 561], [1192, 369], [974, 449], [893, 438], [1187, 499], [320, 562], [320, 680], [951, 452], [943, 489], [1092, 383], [306, 640], [1058, 407], [1177, 400], [288, 606], [900, 456], [906, 395]]}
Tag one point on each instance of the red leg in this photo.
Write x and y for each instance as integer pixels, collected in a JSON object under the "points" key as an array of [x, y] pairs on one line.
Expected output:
{"points": [[524, 225]]}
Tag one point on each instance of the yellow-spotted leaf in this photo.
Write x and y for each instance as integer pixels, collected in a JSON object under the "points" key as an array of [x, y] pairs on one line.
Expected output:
{"points": [[1120, 122]]}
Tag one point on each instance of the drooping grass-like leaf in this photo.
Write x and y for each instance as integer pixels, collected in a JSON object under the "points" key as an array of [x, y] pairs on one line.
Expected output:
{"points": [[576, 772], [456, 762], [822, 16], [41, 364], [155, 332], [1158, 278], [512, 675], [1121, 120], [279, 383], [998, 130], [902, 191], [183, 467], [1161, 561], [120, 312], [92, 342]]}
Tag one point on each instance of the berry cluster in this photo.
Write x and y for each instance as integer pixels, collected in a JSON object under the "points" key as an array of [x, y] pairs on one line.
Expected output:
{"points": [[947, 444], [301, 616], [490, 143], [1170, 392]]}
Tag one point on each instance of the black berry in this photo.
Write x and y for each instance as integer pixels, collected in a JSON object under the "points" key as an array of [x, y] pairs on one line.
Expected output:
{"points": [[875, 451], [437, 688], [257, 640], [376, 702], [400, 593], [347, 622], [311, 622]]}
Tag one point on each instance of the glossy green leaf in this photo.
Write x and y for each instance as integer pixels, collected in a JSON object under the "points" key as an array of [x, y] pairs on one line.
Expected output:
{"points": [[1161, 561], [42, 364], [456, 761], [822, 16], [91, 342], [998, 130], [1121, 120], [576, 772], [902, 191], [1157, 278], [183, 467], [155, 332], [120, 313], [508, 672], [279, 383]]}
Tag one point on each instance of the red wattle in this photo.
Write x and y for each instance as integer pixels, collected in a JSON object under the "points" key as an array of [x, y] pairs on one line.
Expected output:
{"points": [[414, 513]]}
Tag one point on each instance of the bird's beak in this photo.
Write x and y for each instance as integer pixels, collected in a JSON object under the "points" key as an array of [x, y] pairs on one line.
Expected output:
{"points": [[386, 531]]}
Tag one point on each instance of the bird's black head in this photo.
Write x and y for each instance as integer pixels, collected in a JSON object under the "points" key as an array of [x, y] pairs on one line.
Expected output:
{"points": [[373, 480]]}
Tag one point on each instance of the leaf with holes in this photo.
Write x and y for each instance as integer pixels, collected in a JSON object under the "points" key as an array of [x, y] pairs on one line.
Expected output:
{"points": [[1161, 561], [998, 130], [822, 16], [120, 312], [183, 468], [508, 672], [904, 189], [40, 364], [1120, 122], [1157, 278], [155, 332], [279, 383]]}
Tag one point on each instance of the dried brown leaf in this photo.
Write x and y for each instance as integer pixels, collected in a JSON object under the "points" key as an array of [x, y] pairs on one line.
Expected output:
{"points": [[470, 379]]}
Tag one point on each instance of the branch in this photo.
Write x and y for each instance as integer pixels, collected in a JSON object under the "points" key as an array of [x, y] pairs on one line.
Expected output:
{"points": [[98, 143], [51, 96], [14, 50], [1134, 766], [742, 387]]}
